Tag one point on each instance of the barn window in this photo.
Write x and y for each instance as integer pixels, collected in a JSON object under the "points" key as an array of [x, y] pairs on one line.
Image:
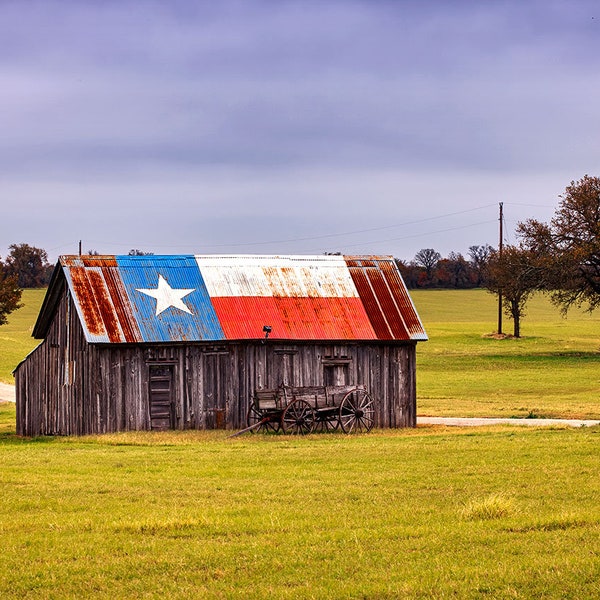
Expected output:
{"points": [[336, 370]]}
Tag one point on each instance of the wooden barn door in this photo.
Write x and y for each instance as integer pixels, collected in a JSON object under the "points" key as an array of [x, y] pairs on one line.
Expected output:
{"points": [[217, 388], [161, 397]]}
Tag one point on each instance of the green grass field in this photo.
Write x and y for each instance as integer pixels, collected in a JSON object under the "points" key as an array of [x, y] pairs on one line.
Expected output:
{"points": [[425, 513], [504, 512], [15, 337], [552, 371]]}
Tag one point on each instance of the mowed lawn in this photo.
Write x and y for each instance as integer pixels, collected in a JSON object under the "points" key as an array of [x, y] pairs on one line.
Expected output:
{"points": [[553, 370]]}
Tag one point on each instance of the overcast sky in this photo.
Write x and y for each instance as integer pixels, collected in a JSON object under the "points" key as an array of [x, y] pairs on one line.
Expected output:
{"points": [[291, 127]]}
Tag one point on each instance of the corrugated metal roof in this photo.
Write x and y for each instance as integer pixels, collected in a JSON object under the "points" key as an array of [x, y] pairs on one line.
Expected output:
{"points": [[128, 299], [386, 298]]}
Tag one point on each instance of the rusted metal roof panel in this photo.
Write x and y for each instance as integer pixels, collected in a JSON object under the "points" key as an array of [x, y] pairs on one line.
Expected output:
{"points": [[299, 297], [129, 299], [141, 299], [386, 298]]}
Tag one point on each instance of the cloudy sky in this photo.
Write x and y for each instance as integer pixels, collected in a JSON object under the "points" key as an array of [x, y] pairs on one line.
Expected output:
{"points": [[264, 126]]}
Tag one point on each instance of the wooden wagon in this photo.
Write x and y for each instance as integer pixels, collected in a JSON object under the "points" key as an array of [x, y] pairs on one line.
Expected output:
{"points": [[302, 410]]}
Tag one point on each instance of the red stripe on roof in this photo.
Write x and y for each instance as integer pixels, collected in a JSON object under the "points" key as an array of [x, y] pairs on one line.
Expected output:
{"points": [[293, 318]]}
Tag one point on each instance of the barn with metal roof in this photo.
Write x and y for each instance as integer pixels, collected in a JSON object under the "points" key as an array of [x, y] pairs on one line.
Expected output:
{"points": [[180, 342]]}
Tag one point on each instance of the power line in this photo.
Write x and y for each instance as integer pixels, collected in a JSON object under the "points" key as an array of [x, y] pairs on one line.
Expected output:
{"points": [[312, 238], [416, 235]]}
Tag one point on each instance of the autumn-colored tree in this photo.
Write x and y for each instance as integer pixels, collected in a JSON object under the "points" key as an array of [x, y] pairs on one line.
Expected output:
{"points": [[454, 272], [29, 264], [569, 246], [516, 273], [10, 294]]}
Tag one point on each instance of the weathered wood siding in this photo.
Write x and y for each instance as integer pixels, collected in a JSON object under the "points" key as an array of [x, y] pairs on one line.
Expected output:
{"points": [[69, 387]]}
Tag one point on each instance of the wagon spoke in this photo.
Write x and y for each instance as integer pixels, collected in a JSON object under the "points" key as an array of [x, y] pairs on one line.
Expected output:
{"points": [[254, 416], [357, 412], [328, 423], [298, 418], [272, 425]]}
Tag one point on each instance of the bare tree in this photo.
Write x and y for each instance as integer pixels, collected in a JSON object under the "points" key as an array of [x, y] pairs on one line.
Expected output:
{"points": [[427, 258], [479, 257]]}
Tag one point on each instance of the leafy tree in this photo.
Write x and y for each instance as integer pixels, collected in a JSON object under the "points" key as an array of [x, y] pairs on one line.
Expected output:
{"points": [[569, 246], [454, 272], [479, 257], [515, 273], [409, 273], [29, 264], [10, 294]]}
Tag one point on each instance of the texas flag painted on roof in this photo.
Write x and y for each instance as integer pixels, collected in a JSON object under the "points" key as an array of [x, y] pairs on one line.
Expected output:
{"points": [[186, 298]]}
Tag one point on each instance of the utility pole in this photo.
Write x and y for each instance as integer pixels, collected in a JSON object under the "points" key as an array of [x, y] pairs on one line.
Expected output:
{"points": [[79, 247], [500, 255]]}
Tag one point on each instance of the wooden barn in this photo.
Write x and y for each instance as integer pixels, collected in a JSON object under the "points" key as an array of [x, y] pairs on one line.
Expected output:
{"points": [[183, 342]]}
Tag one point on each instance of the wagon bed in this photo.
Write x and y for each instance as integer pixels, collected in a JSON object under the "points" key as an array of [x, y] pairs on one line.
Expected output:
{"points": [[302, 410]]}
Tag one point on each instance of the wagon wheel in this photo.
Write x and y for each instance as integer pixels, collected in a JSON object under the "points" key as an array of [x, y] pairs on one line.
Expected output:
{"points": [[357, 412], [298, 418], [255, 416]]}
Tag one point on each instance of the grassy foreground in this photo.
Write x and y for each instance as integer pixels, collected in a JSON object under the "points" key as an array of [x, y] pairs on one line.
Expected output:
{"points": [[426, 513]]}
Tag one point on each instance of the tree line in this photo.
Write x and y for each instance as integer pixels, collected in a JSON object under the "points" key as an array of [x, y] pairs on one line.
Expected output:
{"points": [[27, 267], [560, 258], [429, 270]]}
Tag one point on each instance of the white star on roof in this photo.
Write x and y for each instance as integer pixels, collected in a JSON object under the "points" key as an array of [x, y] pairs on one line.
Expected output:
{"points": [[166, 296]]}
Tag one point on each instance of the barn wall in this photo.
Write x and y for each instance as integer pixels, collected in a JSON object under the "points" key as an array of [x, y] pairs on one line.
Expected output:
{"points": [[49, 382], [69, 387]]}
